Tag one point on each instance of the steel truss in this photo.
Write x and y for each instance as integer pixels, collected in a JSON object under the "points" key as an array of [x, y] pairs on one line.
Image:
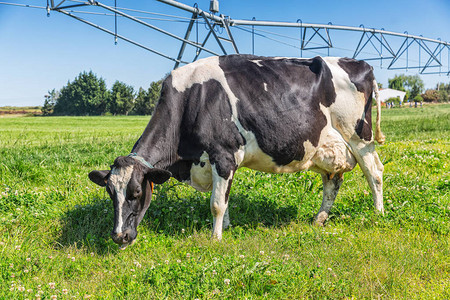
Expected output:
{"points": [[312, 37]]}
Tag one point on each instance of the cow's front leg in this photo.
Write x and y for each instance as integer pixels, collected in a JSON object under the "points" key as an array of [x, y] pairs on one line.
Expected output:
{"points": [[330, 189], [219, 203]]}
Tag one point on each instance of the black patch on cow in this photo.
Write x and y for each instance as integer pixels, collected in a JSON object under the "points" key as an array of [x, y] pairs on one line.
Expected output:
{"points": [[123, 161], [202, 164], [208, 127], [288, 113], [361, 75]]}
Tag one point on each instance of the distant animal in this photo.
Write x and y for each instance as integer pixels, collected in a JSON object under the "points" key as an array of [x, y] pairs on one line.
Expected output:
{"points": [[272, 114]]}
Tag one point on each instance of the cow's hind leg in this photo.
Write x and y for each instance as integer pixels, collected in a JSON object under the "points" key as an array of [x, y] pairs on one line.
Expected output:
{"points": [[372, 168], [330, 189], [219, 203]]}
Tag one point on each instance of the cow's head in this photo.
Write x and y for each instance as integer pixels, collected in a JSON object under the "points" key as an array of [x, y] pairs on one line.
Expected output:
{"points": [[130, 185]]}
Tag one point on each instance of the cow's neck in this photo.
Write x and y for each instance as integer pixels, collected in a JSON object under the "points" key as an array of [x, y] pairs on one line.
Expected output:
{"points": [[159, 143]]}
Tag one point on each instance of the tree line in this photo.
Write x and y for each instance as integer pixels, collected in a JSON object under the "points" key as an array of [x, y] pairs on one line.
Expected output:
{"points": [[414, 88], [87, 94]]}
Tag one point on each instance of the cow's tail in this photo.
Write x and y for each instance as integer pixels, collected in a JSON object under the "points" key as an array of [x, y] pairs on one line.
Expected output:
{"points": [[379, 136]]}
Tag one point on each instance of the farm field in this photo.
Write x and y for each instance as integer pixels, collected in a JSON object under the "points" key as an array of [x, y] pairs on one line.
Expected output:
{"points": [[55, 223]]}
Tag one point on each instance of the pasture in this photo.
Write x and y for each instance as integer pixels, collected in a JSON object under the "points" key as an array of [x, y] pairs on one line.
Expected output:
{"points": [[55, 223]]}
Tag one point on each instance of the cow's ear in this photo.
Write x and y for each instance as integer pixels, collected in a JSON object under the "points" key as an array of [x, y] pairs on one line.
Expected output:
{"points": [[99, 177], [158, 176]]}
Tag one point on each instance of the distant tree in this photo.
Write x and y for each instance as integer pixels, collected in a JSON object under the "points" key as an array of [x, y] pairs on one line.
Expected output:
{"points": [[49, 103], [443, 87], [146, 100], [418, 98], [443, 96], [415, 85], [431, 96], [398, 82], [412, 85], [380, 85], [121, 99], [86, 95]]}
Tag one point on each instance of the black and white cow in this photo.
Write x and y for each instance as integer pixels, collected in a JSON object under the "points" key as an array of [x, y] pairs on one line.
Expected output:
{"points": [[265, 113]]}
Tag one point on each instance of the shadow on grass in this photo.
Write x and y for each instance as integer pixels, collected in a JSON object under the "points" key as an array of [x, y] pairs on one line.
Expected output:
{"points": [[89, 226]]}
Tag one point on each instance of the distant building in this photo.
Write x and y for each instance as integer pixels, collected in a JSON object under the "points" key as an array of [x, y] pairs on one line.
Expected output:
{"points": [[385, 94]]}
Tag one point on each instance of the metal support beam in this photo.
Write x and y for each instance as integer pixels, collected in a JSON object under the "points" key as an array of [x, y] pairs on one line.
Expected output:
{"points": [[151, 26], [186, 37], [119, 36]]}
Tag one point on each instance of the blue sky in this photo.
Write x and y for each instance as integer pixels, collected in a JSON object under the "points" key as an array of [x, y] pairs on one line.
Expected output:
{"points": [[39, 53]]}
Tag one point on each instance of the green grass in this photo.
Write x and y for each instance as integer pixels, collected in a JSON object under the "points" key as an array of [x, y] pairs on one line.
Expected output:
{"points": [[55, 223]]}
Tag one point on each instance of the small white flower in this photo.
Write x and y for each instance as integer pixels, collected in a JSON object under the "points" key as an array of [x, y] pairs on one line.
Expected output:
{"points": [[65, 291], [241, 256], [261, 252], [226, 281], [188, 255]]}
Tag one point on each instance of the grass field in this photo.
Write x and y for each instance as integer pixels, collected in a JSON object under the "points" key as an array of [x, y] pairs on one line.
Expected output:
{"points": [[55, 223]]}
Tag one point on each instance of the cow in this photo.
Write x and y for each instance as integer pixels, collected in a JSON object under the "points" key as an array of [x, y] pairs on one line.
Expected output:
{"points": [[272, 114]]}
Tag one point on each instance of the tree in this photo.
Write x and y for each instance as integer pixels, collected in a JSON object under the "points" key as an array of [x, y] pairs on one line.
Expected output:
{"points": [[443, 96], [398, 82], [430, 96], [121, 99], [146, 100], [415, 84], [86, 95], [49, 103], [412, 85]]}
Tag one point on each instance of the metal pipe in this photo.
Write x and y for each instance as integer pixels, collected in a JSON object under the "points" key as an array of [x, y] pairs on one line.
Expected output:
{"points": [[119, 36], [292, 24], [191, 9], [152, 27], [337, 27]]}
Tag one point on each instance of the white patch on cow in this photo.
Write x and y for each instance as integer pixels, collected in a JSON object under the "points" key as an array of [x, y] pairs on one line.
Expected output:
{"points": [[120, 177], [257, 62], [201, 176], [256, 159], [239, 155], [197, 72], [218, 204], [334, 155], [265, 86], [349, 104]]}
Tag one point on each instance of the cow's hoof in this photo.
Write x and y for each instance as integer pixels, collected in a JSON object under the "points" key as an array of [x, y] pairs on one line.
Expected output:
{"points": [[320, 219]]}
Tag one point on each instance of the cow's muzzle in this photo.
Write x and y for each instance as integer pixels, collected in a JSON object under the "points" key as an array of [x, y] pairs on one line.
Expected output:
{"points": [[124, 238]]}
